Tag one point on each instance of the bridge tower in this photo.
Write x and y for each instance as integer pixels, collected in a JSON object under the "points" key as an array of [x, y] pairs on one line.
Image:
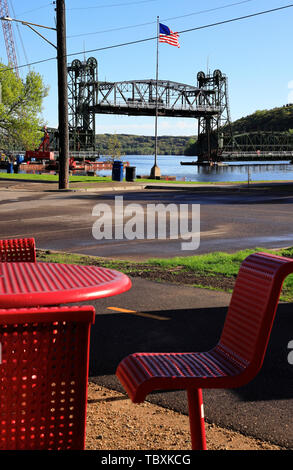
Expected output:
{"points": [[211, 129], [82, 83]]}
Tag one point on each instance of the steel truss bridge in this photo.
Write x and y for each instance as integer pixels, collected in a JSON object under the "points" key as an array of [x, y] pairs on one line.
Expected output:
{"points": [[87, 96], [207, 101], [138, 97], [264, 141]]}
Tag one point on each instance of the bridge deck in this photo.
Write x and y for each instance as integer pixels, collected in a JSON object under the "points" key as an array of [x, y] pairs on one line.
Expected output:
{"points": [[150, 110]]}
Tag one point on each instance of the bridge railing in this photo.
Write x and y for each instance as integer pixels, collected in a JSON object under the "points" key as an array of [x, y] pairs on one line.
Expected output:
{"points": [[285, 153], [148, 105]]}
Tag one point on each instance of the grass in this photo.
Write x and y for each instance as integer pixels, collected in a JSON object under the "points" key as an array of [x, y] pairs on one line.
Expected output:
{"points": [[49, 178], [211, 265], [226, 264], [81, 178], [101, 179]]}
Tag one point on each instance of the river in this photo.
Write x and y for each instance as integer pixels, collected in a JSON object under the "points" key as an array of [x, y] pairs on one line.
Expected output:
{"points": [[228, 172]]}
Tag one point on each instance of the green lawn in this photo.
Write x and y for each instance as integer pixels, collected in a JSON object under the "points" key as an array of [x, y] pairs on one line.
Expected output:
{"points": [[49, 178], [94, 179], [212, 264], [226, 264]]}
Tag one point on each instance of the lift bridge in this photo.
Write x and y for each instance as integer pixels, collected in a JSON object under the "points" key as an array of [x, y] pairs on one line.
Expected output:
{"points": [[207, 102]]}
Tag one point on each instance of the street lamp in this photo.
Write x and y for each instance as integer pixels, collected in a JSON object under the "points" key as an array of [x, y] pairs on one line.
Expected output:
{"points": [[62, 86]]}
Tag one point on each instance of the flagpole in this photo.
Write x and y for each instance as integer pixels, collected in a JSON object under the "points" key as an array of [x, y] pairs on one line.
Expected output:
{"points": [[155, 171], [157, 78]]}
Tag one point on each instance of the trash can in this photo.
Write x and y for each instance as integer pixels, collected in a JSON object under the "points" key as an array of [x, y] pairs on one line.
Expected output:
{"points": [[19, 159], [9, 167], [130, 173], [117, 171]]}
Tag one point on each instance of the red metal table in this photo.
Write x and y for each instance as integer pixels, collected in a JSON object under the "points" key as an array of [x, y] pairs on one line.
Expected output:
{"points": [[41, 284]]}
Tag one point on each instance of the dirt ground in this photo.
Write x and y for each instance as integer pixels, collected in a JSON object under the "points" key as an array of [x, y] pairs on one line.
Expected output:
{"points": [[115, 423]]}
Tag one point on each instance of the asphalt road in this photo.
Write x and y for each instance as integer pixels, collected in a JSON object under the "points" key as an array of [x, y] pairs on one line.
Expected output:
{"points": [[171, 318], [229, 220]]}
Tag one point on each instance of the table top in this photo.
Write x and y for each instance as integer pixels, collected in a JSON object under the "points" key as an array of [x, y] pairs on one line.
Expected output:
{"points": [[38, 284]]}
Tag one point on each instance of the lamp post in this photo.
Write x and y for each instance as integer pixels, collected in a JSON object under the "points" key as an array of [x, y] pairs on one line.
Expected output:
{"points": [[62, 86]]}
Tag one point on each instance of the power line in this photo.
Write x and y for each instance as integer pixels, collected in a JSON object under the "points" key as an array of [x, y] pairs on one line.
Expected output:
{"points": [[209, 10], [30, 64], [35, 9], [163, 19], [155, 37], [112, 5], [239, 18]]}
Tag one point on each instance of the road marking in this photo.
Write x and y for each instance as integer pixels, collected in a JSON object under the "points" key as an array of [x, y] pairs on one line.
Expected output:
{"points": [[139, 314]]}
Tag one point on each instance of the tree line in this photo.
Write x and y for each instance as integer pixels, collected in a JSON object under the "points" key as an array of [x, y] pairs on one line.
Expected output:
{"points": [[279, 119], [128, 144]]}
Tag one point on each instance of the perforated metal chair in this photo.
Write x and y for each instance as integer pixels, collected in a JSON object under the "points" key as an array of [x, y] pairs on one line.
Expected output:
{"points": [[18, 249], [44, 355], [233, 362]]}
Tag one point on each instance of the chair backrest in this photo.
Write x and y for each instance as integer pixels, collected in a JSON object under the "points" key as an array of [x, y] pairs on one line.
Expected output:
{"points": [[18, 249], [253, 307], [44, 355]]}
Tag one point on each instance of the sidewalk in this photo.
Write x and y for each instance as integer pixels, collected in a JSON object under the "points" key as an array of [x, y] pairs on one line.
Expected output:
{"points": [[113, 186]]}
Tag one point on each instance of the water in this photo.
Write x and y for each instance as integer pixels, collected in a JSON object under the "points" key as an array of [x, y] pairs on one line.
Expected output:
{"points": [[230, 172]]}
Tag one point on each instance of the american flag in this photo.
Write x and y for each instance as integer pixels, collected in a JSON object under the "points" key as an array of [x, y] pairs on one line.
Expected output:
{"points": [[166, 35]]}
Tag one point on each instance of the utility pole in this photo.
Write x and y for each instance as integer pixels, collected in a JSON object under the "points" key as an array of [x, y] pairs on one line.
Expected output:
{"points": [[62, 96]]}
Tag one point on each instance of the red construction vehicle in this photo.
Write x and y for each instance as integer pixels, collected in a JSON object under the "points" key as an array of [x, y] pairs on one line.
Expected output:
{"points": [[43, 152]]}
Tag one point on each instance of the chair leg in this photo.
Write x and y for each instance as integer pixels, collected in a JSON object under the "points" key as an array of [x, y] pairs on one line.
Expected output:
{"points": [[196, 419]]}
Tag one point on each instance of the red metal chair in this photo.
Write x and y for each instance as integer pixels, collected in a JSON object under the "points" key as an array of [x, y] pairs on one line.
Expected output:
{"points": [[44, 355], [18, 249], [233, 362]]}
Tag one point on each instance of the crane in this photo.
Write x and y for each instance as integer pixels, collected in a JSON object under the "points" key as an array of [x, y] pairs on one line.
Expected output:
{"points": [[8, 36]]}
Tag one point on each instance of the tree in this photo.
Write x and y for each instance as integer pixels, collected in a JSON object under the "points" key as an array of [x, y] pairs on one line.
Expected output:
{"points": [[114, 148], [191, 147], [20, 109]]}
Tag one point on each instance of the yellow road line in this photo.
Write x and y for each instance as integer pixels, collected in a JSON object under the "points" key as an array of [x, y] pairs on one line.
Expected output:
{"points": [[139, 314]]}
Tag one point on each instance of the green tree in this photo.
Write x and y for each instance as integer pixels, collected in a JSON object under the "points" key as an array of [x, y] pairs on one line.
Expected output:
{"points": [[191, 147], [20, 109], [114, 148]]}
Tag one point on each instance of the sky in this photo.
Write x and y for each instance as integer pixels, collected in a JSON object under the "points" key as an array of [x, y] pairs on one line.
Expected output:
{"points": [[255, 53]]}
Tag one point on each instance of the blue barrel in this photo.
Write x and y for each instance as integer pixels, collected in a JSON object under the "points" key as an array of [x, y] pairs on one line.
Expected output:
{"points": [[19, 159], [117, 171]]}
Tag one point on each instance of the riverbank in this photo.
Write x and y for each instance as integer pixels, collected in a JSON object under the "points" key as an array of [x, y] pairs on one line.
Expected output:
{"points": [[230, 172], [101, 182]]}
